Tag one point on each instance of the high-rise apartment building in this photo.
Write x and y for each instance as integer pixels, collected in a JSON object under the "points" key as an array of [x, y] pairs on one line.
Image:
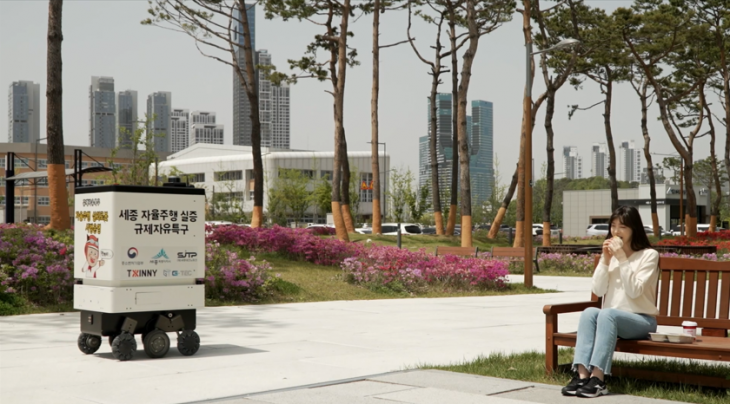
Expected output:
{"points": [[24, 112], [273, 108], [179, 129], [159, 114], [203, 128], [126, 116], [480, 132], [102, 113], [241, 106], [629, 159], [572, 163], [599, 160]]}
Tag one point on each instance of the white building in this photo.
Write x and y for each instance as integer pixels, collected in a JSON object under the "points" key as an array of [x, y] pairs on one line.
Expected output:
{"points": [[629, 162], [203, 129], [102, 113], [24, 112], [572, 163], [599, 160], [179, 129], [229, 169], [583, 208]]}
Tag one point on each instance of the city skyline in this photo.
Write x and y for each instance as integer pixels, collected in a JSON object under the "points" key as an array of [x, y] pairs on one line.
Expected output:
{"points": [[196, 80], [24, 111]]}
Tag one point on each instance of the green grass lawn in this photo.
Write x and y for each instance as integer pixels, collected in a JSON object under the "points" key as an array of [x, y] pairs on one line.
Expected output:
{"points": [[530, 366]]}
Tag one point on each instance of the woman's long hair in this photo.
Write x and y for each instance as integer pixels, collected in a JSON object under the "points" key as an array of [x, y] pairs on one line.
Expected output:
{"points": [[629, 216]]}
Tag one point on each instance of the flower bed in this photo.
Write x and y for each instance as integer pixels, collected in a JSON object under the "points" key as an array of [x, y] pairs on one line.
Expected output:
{"points": [[721, 239], [34, 265], [228, 277], [412, 271]]}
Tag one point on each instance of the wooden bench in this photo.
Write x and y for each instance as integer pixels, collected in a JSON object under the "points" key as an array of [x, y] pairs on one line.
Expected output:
{"points": [[514, 254], [460, 251], [708, 306], [570, 249], [687, 249]]}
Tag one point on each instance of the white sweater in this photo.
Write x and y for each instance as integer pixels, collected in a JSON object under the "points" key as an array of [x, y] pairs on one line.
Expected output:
{"points": [[631, 285]]}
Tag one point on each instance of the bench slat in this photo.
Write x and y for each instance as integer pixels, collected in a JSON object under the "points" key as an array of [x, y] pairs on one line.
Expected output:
{"points": [[700, 295], [460, 251], [688, 294], [725, 297], [712, 295], [664, 294], [676, 291]]}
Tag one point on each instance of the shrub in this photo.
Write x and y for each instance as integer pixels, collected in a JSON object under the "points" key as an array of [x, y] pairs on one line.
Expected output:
{"points": [[34, 265], [228, 277], [412, 271]]}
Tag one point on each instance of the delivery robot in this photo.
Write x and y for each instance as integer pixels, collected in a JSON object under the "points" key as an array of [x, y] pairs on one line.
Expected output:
{"points": [[139, 252]]}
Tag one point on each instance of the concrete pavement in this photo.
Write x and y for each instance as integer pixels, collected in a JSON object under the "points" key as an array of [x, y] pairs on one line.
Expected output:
{"points": [[253, 349]]}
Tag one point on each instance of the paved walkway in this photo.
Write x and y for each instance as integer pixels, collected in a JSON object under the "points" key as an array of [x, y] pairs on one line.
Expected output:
{"points": [[251, 349]]}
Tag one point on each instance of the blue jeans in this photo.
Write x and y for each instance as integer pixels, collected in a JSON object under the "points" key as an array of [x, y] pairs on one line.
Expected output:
{"points": [[597, 332]]}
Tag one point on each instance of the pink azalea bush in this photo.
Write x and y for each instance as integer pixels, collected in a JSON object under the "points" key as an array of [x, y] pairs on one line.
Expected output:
{"points": [[297, 244], [229, 277], [34, 265], [414, 270]]}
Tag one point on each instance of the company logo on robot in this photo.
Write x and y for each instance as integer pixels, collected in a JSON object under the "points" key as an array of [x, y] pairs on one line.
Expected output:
{"points": [[141, 273], [132, 252]]}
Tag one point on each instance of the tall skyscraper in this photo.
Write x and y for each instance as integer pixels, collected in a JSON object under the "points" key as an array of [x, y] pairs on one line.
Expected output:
{"points": [[24, 112], [159, 114], [102, 112], [179, 129], [629, 159], [599, 160], [572, 163], [126, 118], [203, 128], [241, 106], [482, 151], [480, 133], [273, 108]]}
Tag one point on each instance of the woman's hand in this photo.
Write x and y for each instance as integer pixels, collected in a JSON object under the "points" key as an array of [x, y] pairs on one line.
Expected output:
{"points": [[607, 252], [616, 247]]}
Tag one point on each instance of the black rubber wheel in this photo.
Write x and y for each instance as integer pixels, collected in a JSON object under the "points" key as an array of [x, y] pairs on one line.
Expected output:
{"points": [[156, 344], [88, 343], [124, 346], [188, 342], [111, 338]]}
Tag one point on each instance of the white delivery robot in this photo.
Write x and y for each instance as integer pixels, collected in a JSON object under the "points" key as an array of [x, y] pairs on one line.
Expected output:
{"points": [[139, 251]]}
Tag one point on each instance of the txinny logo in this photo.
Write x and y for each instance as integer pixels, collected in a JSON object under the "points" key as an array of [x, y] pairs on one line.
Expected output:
{"points": [[160, 255]]}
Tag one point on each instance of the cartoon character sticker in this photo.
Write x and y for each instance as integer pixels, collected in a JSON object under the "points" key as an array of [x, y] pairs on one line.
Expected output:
{"points": [[91, 250]]}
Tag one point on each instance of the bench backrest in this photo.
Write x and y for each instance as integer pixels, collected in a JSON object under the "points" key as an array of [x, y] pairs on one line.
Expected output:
{"points": [[511, 252], [690, 289], [687, 249], [461, 251]]}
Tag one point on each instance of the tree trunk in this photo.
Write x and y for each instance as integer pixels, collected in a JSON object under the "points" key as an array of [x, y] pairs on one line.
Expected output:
{"points": [[454, 127], [346, 210], [435, 188], [647, 155], [715, 209], [339, 54], [550, 180], [249, 84], [497, 222], [375, 147], [725, 74], [609, 140], [60, 218], [520, 214], [464, 155]]}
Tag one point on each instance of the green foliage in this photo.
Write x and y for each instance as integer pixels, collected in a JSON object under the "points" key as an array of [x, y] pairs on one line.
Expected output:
{"points": [[322, 196], [401, 187], [418, 203], [138, 172], [290, 196]]}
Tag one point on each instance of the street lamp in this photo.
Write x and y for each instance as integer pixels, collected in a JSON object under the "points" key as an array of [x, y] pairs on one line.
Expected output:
{"points": [[527, 227], [385, 180]]}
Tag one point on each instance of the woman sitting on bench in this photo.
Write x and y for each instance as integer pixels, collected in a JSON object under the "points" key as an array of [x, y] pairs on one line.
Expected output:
{"points": [[626, 277]]}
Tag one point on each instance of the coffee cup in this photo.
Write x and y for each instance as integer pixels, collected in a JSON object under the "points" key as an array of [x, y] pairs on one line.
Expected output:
{"points": [[689, 328]]}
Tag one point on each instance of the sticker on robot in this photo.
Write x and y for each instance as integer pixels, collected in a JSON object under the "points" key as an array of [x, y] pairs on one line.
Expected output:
{"points": [[91, 251]]}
